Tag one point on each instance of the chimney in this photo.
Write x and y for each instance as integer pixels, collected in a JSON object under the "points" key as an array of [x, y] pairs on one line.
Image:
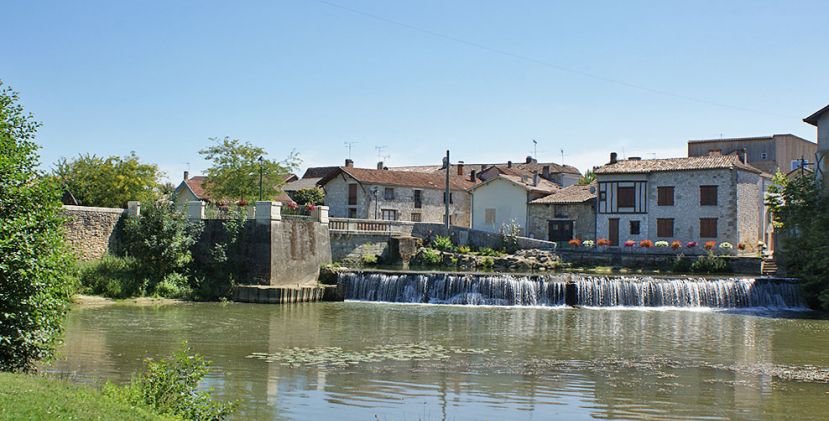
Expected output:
{"points": [[545, 172], [380, 165], [186, 175], [509, 164], [613, 156], [473, 176], [460, 168], [535, 179], [530, 160], [744, 156], [349, 163]]}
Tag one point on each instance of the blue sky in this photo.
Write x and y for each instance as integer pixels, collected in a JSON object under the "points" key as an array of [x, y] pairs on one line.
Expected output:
{"points": [[482, 78]]}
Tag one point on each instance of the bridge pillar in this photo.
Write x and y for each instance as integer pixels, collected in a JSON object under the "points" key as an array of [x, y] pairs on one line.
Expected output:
{"points": [[320, 214]]}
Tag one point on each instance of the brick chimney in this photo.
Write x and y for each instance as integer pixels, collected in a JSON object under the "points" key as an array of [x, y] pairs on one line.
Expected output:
{"points": [[530, 160], [186, 175], [613, 157], [535, 179], [509, 164], [460, 168], [380, 165], [473, 176], [349, 163]]}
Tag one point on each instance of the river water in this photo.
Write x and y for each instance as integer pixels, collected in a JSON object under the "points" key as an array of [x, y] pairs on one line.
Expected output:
{"points": [[368, 361]]}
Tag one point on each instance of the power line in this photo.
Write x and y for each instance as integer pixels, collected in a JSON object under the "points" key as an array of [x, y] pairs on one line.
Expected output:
{"points": [[543, 62]]}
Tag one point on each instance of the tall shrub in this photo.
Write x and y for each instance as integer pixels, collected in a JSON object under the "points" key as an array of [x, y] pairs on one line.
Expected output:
{"points": [[220, 258], [34, 286]]}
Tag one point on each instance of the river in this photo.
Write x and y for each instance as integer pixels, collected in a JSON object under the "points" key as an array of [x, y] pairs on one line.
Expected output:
{"points": [[368, 361]]}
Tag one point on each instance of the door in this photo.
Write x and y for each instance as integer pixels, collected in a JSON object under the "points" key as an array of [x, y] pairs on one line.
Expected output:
{"points": [[560, 230], [613, 231]]}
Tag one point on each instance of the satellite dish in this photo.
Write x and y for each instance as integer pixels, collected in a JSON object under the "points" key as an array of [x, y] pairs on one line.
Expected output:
{"points": [[592, 189]]}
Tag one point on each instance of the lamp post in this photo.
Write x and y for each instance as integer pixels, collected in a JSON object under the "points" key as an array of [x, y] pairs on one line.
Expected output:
{"points": [[260, 177], [374, 190]]}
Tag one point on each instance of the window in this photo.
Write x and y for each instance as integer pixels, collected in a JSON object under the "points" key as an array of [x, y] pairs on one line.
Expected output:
{"points": [[389, 215], [388, 193], [626, 197], [796, 163], [415, 217], [489, 216], [764, 156], [450, 197], [708, 227], [352, 212], [665, 227], [708, 195], [635, 227], [418, 199], [352, 194], [665, 196]]}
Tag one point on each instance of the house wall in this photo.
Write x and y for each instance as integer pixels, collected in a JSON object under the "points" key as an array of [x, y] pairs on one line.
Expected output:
{"points": [[790, 148], [583, 216], [508, 200], [431, 211], [182, 196], [686, 210], [823, 149], [754, 148], [749, 207]]}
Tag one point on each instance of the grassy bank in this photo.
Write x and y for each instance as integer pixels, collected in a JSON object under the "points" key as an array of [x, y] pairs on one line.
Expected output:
{"points": [[28, 397]]}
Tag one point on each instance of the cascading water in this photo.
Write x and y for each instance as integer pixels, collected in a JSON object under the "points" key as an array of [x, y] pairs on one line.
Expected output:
{"points": [[570, 289], [502, 290]]}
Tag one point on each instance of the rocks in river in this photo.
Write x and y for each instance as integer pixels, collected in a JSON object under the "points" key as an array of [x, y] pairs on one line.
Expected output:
{"points": [[523, 260]]}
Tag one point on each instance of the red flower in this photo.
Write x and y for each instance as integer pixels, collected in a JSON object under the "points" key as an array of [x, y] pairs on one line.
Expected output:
{"points": [[710, 245], [292, 205], [603, 242], [310, 207], [691, 244], [575, 242], [630, 243], [646, 243], [741, 246]]}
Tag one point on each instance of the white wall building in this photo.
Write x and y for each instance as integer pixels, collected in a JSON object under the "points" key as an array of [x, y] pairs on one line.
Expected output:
{"points": [[505, 198]]}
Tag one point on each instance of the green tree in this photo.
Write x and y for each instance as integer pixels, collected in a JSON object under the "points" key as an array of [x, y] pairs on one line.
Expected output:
{"points": [[34, 286], [313, 195], [234, 173], [587, 178], [801, 217], [109, 182]]}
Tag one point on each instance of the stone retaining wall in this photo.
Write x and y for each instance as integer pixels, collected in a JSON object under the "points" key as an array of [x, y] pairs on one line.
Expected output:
{"points": [[92, 232]]}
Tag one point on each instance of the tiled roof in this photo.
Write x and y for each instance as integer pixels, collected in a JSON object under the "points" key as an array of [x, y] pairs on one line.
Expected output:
{"points": [[543, 186], [676, 164], [196, 184], [569, 194], [318, 172], [467, 168], [301, 184], [433, 181]]}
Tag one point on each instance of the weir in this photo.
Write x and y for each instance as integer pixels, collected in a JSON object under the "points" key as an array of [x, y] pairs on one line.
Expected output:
{"points": [[570, 289]]}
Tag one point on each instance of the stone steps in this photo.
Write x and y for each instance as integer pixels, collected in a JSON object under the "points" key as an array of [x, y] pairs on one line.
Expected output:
{"points": [[266, 294], [769, 267]]}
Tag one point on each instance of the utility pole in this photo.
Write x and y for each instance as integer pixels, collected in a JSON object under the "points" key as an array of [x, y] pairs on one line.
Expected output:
{"points": [[446, 195]]}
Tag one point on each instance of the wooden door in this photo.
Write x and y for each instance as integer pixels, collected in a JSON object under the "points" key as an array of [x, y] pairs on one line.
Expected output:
{"points": [[560, 230], [613, 231]]}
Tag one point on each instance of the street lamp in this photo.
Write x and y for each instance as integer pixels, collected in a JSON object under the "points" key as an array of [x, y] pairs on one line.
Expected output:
{"points": [[374, 190], [260, 177]]}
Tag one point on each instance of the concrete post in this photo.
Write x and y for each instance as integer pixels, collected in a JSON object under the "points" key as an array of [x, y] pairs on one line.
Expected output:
{"points": [[268, 211], [320, 214], [251, 212], [133, 209], [195, 210]]}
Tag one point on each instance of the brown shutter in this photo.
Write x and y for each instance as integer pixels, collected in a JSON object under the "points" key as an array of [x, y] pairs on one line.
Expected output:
{"points": [[626, 197], [665, 196], [708, 195], [352, 194], [708, 227], [665, 227]]}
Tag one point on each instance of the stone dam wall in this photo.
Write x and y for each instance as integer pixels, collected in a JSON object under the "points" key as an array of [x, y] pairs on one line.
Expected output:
{"points": [[92, 232]]}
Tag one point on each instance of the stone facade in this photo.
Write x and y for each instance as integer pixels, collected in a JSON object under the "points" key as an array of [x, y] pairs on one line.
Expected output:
{"points": [[350, 248], [402, 202], [92, 232], [583, 216], [739, 210]]}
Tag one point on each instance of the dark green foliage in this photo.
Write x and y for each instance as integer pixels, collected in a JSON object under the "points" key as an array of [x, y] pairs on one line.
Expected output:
{"points": [[681, 264], [443, 243], [801, 214], [34, 264], [430, 257], [510, 232], [220, 259], [169, 387], [587, 178], [709, 263], [109, 182], [489, 251], [160, 241], [111, 276], [314, 196]]}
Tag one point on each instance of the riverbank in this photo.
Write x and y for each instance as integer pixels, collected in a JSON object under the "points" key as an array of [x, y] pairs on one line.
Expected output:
{"points": [[33, 397], [97, 300]]}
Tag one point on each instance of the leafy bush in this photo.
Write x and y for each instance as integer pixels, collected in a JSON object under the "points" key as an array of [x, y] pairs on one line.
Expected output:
{"points": [[489, 251], [221, 261], [160, 241], [111, 276], [431, 257], [313, 195], [174, 285], [487, 262], [646, 243], [709, 264], [464, 249], [681, 264], [443, 243], [369, 259], [509, 236], [35, 267], [169, 387]]}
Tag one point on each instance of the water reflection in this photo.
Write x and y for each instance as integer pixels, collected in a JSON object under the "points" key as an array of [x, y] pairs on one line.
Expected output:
{"points": [[541, 363]]}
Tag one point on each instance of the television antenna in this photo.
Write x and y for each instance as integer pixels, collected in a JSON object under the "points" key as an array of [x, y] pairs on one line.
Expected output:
{"points": [[380, 149], [349, 146]]}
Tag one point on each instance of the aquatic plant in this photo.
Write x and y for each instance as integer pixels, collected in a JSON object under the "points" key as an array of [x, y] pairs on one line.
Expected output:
{"points": [[464, 249], [369, 259], [430, 256], [443, 243], [336, 357]]}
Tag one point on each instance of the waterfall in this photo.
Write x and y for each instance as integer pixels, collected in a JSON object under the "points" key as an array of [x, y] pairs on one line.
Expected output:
{"points": [[500, 290], [570, 289]]}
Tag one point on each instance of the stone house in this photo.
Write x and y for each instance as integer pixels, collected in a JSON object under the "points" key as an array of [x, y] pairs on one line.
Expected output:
{"points": [[504, 198], [563, 175], [395, 195], [563, 215], [711, 198], [781, 152], [820, 119], [191, 189]]}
